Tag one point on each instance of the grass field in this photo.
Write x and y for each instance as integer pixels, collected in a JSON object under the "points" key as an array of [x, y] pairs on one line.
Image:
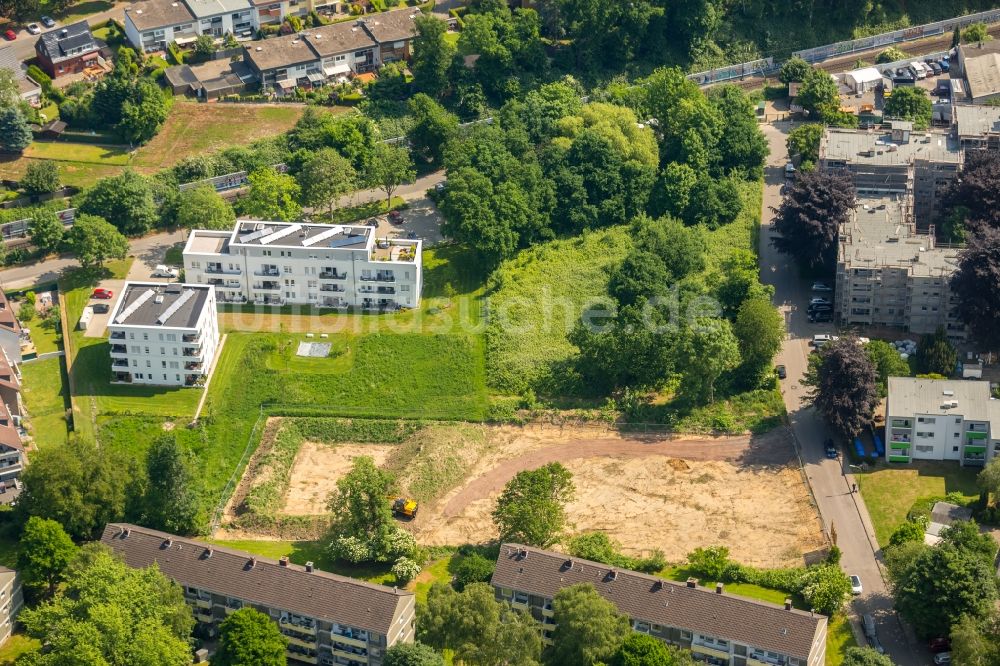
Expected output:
{"points": [[889, 493], [681, 574], [15, 646], [537, 297], [44, 392], [80, 164], [839, 637], [194, 128]]}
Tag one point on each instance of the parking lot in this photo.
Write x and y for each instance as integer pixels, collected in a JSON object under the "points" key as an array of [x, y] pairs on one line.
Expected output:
{"points": [[422, 219], [99, 322]]}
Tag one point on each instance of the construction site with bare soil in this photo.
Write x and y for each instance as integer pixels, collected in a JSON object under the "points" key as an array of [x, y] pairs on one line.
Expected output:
{"points": [[671, 494]]}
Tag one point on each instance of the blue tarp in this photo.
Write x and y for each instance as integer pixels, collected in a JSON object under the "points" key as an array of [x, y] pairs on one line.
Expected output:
{"points": [[859, 447], [879, 446]]}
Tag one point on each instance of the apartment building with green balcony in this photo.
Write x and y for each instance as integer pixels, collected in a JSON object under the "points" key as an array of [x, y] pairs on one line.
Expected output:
{"points": [[329, 620], [941, 419], [719, 628]]}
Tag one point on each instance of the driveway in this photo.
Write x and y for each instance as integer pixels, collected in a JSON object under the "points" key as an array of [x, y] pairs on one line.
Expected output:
{"points": [[98, 324], [844, 513]]}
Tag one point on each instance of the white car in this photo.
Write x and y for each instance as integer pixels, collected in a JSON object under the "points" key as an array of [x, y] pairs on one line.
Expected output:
{"points": [[820, 301], [821, 286], [162, 271], [856, 585], [34, 29]]}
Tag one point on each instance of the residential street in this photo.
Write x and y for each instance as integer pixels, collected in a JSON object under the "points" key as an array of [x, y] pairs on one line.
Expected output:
{"points": [[843, 512], [24, 46]]}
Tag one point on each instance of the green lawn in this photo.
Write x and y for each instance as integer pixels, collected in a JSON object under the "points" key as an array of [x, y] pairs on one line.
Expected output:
{"points": [[79, 10], [839, 637], [44, 392], [300, 552], [64, 151], [681, 574], [362, 211], [438, 571], [889, 493], [15, 646], [175, 255]]}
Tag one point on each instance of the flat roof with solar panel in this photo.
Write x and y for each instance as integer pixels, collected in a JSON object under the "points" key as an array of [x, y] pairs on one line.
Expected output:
{"points": [[156, 304], [300, 234]]}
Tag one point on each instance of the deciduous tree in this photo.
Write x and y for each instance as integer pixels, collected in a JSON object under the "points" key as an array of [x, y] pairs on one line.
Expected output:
{"points": [[202, 208], [272, 196], [412, 654], [709, 349], [432, 56], [473, 568], [250, 637], [803, 142], [974, 283], [975, 197], [46, 230], [110, 613], [644, 650], [325, 178], [44, 553], [742, 146], [125, 200], [975, 641], [936, 355], [93, 241], [479, 629], [794, 69], [976, 33], [910, 103], [865, 656], [172, 502], [909, 532], [433, 127], [810, 216], [40, 177], [531, 508], [888, 363], [589, 628], [989, 478], [846, 389], [759, 329], [818, 89], [390, 167]]}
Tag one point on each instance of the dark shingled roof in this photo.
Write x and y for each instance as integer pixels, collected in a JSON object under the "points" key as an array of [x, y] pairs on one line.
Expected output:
{"points": [[278, 52], [339, 38], [57, 43], [316, 594], [392, 26], [653, 599]]}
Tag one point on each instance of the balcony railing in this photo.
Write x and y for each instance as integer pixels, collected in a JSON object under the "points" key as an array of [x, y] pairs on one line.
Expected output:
{"points": [[191, 337], [119, 363], [267, 272], [386, 290], [192, 353], [267, 286], [332, 287], [332, 275], [119, 349], [194, 366], [224, 271], [118, 335]]}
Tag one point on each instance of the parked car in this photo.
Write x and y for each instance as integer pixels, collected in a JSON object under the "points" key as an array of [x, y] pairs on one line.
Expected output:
{"points": [[103, 293], [821, 286], [10, 35], [936, 68], [34, 29], [782, 373], [936, 645], [439, 187], [162, 271], [48, 21], [789, 170], [942, 658], [856, 585], [816, 309], [820, 317], [100, 308], [372, 222], [944, 64], [821, 339], [412, 235], [819, 300], [395, 217], [830, 448]]}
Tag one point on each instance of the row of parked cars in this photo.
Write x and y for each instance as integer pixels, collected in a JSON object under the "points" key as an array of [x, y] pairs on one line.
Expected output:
{"points": [[32, 28], [911, 73]]}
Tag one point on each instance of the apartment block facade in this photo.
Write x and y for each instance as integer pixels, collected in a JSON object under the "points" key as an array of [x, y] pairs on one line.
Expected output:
{"points": [[11, 601], [323, 265], [328, 620], [164, 334], [941, 419], [888, 274], [718, 628], [896, 162]]}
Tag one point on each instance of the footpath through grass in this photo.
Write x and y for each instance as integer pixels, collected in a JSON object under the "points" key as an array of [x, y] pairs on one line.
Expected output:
{"points": [[890, 492]]}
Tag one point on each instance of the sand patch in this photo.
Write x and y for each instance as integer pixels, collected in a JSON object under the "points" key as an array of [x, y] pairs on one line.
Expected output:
{"points": [[316, 471]]}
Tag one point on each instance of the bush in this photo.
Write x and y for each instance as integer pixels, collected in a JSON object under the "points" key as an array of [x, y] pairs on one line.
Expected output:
{"points": [[405, 570], [473, 568], [351, 549], [712, 562]]}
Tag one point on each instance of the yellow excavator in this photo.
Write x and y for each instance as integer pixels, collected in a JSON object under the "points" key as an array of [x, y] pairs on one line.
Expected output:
{"points": [[405, 507]]}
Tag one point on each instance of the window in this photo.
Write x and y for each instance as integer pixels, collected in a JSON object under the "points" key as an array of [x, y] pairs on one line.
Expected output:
{"points": [[161, 337], [955, 434], [164, 366], [955, 449], [340, 58], [404, 287], [959, 420], [642, 627], [145, 336], [685, 635], [521, 597], [288, 270], [163, 351], [146, 349], [926, 419], [149, 364], [506, 592]]}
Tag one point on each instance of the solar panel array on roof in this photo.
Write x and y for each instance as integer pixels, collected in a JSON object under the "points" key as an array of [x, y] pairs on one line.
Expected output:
{"points": [[136, 304], [323, 236], [175, 306], [341, 242], [280, 233], [249, 238]]}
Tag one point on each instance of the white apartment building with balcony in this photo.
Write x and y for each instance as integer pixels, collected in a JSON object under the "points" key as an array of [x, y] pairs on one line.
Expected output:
{"points": [[165, 334], [322, 265]]}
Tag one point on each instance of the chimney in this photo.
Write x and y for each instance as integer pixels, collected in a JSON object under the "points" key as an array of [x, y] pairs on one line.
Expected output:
{"points": [[718, 588], [522, 554], [251, 563], [788, 604], [309, 567], [208, 552], [612, 575], [167, 543], [128, 532], [692, 582], [283, 561]]}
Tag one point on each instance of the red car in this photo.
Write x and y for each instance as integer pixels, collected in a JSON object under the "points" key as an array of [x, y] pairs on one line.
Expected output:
{"points": [[395, 217], [103, 293], [10, 35]]}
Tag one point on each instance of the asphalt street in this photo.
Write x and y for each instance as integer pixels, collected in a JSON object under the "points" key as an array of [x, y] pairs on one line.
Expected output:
{"points": [[24, 46], [844, 513]]}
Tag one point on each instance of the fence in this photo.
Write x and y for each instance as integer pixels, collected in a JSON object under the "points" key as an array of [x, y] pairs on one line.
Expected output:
{"points": [[228, 181], [18, 229], [821, 53], [730, 72]]}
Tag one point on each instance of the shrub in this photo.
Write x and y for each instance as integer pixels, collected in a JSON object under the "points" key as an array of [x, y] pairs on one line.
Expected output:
{"points": [[398, 544], [405, 570], [712, 562], [473, 568], [351, 549]]}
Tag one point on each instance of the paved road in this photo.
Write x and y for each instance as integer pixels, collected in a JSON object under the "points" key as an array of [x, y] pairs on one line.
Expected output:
{"points": [[24, 46], [843, 512]]}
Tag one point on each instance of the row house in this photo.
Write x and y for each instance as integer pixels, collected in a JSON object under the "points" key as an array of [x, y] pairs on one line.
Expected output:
{"points": [[328, 619], [323, 265], [163, 334], [717, 627], [274, 12], [153, 24]]}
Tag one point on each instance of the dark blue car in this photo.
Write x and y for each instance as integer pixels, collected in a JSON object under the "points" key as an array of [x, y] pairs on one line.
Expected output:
{"points": [[831, 450]]}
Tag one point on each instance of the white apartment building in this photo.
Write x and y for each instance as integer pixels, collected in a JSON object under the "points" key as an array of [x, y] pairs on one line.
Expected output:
{"points": [[324, 265], [11, 601], [941, 419], [165, 334]]}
